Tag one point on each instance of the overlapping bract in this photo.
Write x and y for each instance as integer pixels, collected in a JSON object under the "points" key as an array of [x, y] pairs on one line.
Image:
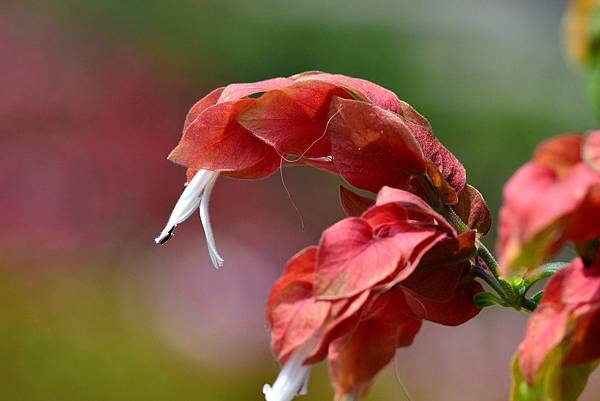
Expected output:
{"points": [[344, 125], [365, 289], [551, 200], [561, 347]]}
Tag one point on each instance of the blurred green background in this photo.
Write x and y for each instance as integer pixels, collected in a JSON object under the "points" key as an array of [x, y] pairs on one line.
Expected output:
{"points": [[94, 96]]}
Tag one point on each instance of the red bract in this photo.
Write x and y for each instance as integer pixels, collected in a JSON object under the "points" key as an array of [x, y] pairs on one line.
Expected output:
{"points": [[292, 116], [360, 88], [284, 116], [354, 204], [293, 119], [364, 291], [214, 140], [357, 356], [444, 161], [298, 116], [473, 210], [551, 200], [563, 332], [357, 253], [294, 315], [372, 147]]}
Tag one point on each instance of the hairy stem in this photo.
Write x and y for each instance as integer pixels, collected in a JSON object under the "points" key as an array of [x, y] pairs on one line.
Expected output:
{"points": [[510, 298], [482, 250], [517, 302], [490, 280], [455, 220], [528, 304], [487, 257]]}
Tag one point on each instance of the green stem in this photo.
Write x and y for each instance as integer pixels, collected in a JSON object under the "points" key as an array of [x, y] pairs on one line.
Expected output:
{"points": [[490, 280], [482, 250], [516, 302], [487, 257], [455, 220], [493, 280], [528, 304]]}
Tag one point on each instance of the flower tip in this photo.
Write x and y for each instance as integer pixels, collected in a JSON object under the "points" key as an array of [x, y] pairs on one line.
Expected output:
{"points": [[217, 261], [164, 236], [266, 391]]}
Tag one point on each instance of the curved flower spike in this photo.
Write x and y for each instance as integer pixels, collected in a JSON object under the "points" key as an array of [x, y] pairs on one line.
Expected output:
{"points": [[365, 290], [561, 346], [553, 199], [346, 126]]}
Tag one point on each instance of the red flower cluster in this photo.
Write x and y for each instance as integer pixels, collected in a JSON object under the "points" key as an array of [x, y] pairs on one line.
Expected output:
{"points": [[373, 279], [548, 202], [551, 200], [365, 289], [561, 347]]}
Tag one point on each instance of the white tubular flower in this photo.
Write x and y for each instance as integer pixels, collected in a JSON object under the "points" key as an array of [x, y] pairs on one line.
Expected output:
{"points": [[353, 396], [195, 195], [216, 259], [293, 377]]}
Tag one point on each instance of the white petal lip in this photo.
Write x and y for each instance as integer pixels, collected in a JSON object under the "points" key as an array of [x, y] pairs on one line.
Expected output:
{"points": [[293, 377], [215, 258], [195, 195]]}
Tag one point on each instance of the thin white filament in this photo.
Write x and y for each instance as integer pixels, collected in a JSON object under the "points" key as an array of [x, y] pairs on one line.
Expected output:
{"points": [[397, 374], [215, 257]]}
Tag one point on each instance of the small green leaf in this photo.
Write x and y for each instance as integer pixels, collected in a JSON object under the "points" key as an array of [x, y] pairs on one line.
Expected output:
{"points": [[546, 270], [510, 291], [485, 299], [517, 281], [549, 269]]}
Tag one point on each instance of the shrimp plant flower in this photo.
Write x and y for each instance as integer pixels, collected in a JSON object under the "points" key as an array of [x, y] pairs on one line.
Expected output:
{"points": [[406, 253]]}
